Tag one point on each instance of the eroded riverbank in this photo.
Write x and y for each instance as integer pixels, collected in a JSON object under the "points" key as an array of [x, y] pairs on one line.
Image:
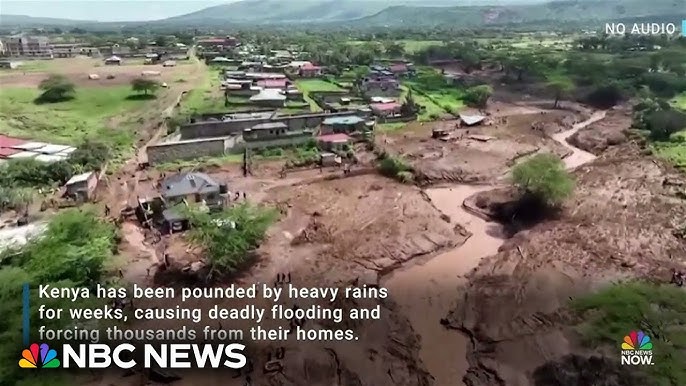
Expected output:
{"points": [[426, 292]]}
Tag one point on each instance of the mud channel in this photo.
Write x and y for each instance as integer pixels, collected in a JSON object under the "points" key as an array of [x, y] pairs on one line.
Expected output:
{"points": [[427, 292]]}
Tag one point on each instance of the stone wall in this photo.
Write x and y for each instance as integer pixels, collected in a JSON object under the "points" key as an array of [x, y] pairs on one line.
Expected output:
{"points": [[189, 149]]}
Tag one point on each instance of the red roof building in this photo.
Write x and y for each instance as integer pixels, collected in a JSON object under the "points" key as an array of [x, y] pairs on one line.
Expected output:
{"points": [[386, 109], [399, 68], [6, 144], [333, 141], [309, 70], [273, 83]]}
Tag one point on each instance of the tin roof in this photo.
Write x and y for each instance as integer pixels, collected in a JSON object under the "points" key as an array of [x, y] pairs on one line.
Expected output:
{"points": [[79, 178]]}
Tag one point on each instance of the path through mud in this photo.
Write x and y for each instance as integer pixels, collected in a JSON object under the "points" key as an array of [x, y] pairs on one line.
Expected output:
{"points": [[427, 292]]}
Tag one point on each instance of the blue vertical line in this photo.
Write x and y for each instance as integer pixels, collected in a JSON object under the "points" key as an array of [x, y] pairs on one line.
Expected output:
{"points": [[26, 322]]}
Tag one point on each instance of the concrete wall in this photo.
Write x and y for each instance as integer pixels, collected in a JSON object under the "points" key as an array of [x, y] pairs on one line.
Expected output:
{"points": [[236, 126], [278, 142], [210, 147]]}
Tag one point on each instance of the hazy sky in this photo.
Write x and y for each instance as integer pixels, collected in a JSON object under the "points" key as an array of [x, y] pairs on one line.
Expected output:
{"points": [[105, 10]]}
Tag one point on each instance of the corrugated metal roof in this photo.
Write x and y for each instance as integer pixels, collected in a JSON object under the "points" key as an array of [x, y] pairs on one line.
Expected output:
{"points": [[52, 149], [471, 119], [23, 154], [79, 178], [343, 120], [30, 145], [49, 158], [6, 141]]}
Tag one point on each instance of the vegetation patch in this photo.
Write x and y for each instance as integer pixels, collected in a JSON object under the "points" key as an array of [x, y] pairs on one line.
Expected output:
{"points": [[230, 236], [68, 122], [71, 252], [658, 311], [395, 167]]}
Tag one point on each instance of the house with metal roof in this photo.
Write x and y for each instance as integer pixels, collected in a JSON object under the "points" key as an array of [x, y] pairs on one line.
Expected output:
{"points": [[347, 124], [269, 98], [471, 120]]}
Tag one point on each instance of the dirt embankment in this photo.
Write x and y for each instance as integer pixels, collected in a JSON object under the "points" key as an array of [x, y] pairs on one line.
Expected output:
{"points": [[357, 226], [617, 225]]}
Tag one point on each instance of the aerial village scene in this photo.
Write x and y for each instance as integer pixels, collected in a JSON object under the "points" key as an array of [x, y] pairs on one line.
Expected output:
{"points": [[501, 186]]}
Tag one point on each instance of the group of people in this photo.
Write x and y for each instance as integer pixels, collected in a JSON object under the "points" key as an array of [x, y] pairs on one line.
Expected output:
{"points": [[282, 278]]}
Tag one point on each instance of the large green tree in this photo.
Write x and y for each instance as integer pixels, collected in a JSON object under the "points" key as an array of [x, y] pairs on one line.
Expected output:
{"points": [[56, 88], [544, 178]]}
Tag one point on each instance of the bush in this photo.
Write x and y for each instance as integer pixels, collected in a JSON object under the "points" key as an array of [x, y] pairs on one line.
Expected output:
{"points": [[71, 252], [478, 96], [605, 96], [659, 311], [228, 249], [32, 173], [662, 124], [395, 167], [91, 155], [544, 178]]}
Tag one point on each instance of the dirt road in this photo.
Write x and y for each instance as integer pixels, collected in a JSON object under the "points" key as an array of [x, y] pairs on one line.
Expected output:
{"points": [[427, 292]]}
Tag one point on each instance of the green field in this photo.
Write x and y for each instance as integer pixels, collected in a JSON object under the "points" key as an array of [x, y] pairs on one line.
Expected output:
{"points": [[315, 85], [206, 97], [412, 46], [67, 122]]}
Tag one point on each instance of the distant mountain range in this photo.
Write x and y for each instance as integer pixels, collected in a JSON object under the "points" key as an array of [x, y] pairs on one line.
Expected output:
{"points": [[365, 13]]}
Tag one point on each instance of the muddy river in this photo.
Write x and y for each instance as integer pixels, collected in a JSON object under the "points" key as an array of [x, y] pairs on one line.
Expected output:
{"points": [[426, 292]]}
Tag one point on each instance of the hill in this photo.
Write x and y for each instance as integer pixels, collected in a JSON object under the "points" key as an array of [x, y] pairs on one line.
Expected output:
{"points": [[23, 20], [573, 11]]}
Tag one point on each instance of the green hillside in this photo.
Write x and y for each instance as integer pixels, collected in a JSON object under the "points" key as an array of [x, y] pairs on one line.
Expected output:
{"points": [[562, 11]]}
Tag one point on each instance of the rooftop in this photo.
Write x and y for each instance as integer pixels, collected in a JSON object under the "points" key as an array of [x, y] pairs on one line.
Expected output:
{"points": [[184, 184], [343, 120], [79, 178], [339, 137], [270, 126], [269, 94], [471, 119], [385, 106]]}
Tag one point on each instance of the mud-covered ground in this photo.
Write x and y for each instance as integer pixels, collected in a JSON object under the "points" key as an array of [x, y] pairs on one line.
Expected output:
{"points": [[481, 153], [619, 224]]}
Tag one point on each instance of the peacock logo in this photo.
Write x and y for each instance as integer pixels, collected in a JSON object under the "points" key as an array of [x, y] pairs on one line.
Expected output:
{"points": [[637, 340], [39, 357]]}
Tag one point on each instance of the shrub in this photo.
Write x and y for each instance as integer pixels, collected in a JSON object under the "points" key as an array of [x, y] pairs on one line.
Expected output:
{"points": [[662, 124], [31, 173], [605, 96], [544, 178], [478, 96]]}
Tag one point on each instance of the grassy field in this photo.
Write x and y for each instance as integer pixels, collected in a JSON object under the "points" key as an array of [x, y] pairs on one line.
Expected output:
{"points": [[412, 46], [207, 97], [659, 311], [314, 85], [67, 122]]}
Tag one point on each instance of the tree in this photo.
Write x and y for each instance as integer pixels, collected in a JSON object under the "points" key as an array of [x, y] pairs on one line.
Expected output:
{"points": [[394, 50], [663, 123], [544, 178], [560, 87], [91, 155], [478, 96], [409, 107], [21, 199], [56, 88], [144, 85]]}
